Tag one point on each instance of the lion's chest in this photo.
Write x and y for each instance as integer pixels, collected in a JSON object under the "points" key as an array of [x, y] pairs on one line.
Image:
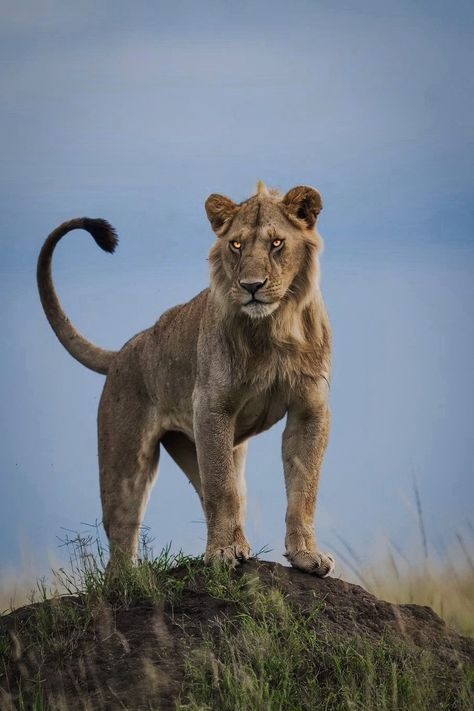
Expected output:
{"points": [[259, 412]]}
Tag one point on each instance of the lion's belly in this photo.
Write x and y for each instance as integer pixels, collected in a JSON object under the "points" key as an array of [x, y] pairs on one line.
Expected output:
{"points": [[259, 414]]}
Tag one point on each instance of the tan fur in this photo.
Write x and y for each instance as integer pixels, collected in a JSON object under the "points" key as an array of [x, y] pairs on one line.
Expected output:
{"points": [[215, 371]]}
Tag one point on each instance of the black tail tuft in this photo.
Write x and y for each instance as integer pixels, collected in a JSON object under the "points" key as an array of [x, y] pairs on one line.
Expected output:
{"points": [[103, 233]]}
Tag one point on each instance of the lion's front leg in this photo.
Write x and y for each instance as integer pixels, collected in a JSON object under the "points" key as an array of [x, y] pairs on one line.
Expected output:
{"points": [[223, 494], [304, 443]]}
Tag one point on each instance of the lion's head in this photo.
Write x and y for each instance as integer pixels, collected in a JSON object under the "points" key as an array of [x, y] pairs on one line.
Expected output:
{"points": [[265, 254]]}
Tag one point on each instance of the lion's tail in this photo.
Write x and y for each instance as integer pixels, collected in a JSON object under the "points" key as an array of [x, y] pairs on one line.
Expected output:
{"points": [[79, 347]]}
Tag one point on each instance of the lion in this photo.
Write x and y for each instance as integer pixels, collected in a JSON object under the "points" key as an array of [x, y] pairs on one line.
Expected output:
{"points": [[211, 373]]}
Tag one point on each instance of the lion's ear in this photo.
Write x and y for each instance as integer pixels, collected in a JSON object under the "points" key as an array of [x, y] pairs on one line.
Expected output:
{"points": [[220, 209], [303, 202]]}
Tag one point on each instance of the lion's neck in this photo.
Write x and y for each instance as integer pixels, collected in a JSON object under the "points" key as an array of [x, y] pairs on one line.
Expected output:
{"points": [[289, 342]]}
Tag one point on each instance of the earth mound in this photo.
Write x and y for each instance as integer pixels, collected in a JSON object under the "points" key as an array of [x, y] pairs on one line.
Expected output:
{"points": [[261, 636]]}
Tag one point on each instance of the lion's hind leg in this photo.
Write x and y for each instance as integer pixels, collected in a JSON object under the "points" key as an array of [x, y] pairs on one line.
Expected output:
{"points": [[129, 431]]}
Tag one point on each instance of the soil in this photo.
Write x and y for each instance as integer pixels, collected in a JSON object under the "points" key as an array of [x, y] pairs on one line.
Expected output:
{"points": [[129, 658]]}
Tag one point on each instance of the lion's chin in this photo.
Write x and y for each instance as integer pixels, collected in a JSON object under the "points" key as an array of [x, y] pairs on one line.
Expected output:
{"points": [[257, 309]]}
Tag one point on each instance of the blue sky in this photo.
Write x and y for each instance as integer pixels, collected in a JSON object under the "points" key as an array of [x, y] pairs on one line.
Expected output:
{"points": [[136, 112]]}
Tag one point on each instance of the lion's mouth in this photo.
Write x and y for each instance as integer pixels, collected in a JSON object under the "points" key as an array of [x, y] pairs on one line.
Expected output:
{"points": [[258, 309], [253, 300]]}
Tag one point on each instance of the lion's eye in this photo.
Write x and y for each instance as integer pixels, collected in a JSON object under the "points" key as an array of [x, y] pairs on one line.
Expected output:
{"points": [[277, 243], [236, 244]]}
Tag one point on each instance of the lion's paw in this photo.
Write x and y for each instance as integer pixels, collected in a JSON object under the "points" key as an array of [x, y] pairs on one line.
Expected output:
{"points": [[231, 555], [320, 564]]}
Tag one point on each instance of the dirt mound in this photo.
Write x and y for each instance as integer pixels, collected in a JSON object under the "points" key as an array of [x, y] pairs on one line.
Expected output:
{"points": [[69, 654]]}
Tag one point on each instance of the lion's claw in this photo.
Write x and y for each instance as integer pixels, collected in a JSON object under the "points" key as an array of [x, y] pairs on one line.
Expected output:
{"points": [[232, 555], [320, 564]]}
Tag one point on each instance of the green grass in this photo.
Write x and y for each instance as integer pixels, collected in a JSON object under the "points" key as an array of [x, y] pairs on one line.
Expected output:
{"points": [[150, 581], [270, 656]]}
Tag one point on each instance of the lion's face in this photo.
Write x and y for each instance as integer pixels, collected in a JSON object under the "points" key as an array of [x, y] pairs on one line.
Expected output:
{"points": [[265, 252]]}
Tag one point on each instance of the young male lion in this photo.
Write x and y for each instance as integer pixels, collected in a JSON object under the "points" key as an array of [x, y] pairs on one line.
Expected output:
{"points": [[212, 373]]}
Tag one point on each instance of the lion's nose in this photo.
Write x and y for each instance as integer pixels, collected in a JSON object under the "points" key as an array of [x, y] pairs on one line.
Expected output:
{"points": [[252, 286]]}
